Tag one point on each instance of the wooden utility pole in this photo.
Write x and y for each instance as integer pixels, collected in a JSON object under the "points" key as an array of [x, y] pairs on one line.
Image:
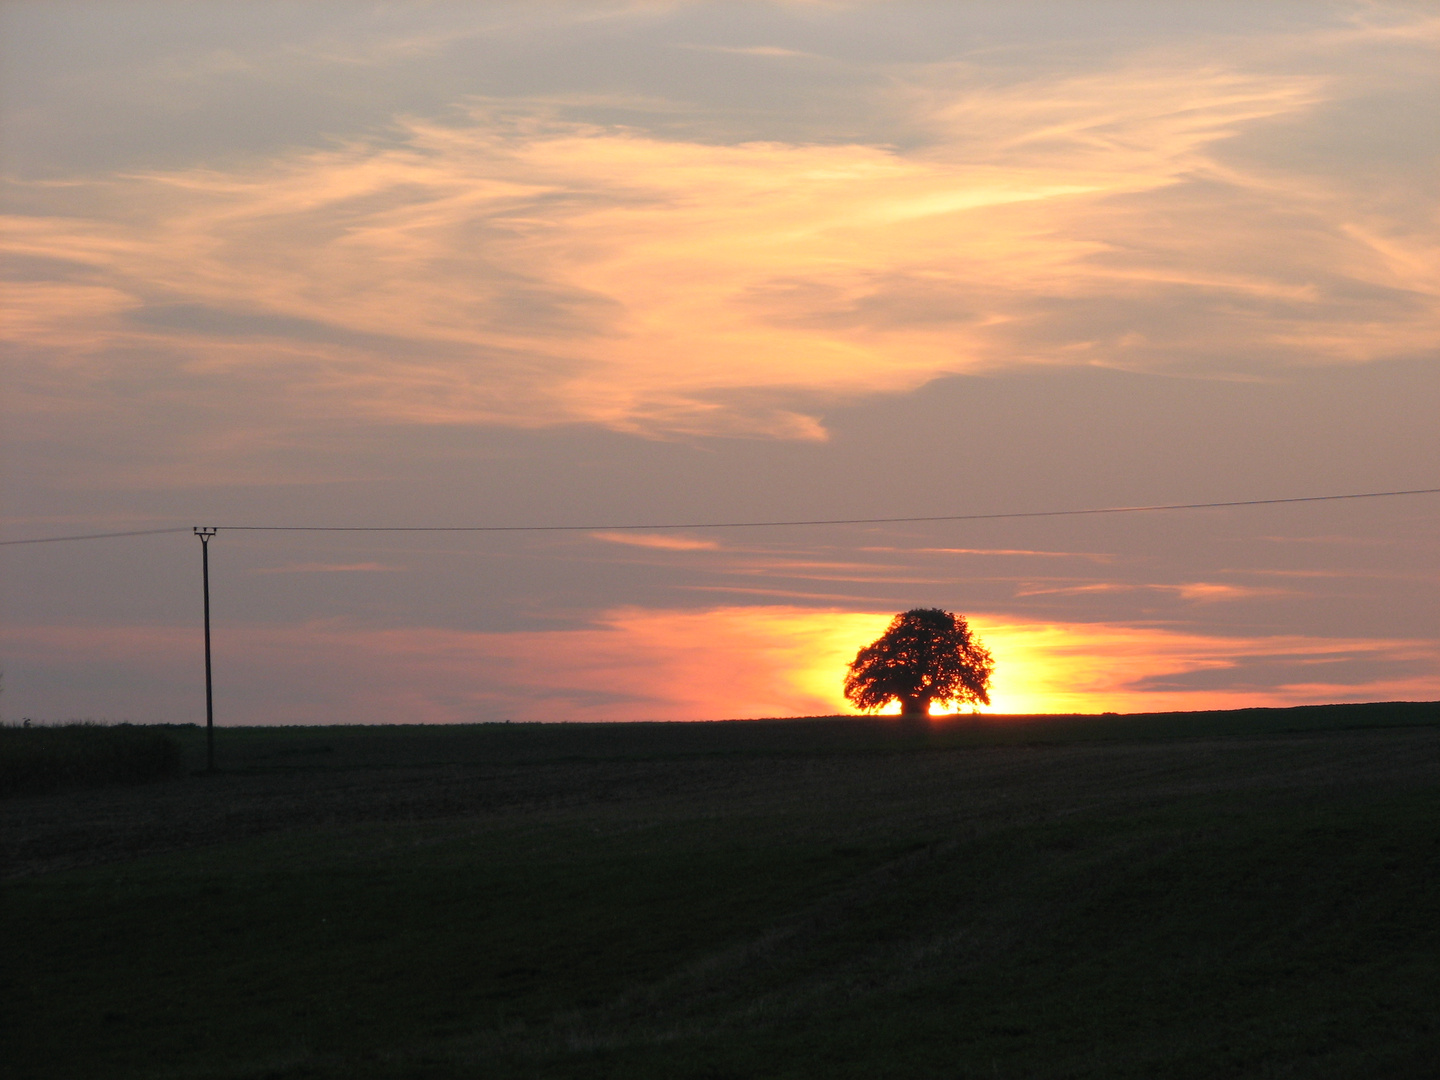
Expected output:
{"points": [[205, 534]]}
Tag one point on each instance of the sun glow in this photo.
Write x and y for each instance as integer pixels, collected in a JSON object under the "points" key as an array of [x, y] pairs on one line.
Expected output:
{"points": [[721, 663]]}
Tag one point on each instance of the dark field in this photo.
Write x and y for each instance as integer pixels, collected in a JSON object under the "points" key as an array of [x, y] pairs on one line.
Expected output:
{"points": [[1249, 894], [37, 761]]}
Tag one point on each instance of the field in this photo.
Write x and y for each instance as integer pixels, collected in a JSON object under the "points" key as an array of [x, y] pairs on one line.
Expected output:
{"points": [[36, 761], [1249, 894]]}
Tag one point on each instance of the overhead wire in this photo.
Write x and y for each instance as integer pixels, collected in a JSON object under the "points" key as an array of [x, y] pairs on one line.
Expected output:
{"points": [[96, 536], [818, 521], [744, 524]]}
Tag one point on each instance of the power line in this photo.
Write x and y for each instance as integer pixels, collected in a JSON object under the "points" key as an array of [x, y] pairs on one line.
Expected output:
{"points": [[826, 521], [94, 536], [750, 524]]}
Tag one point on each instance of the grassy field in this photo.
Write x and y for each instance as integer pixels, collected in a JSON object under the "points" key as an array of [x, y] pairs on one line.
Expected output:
{"points": [[1245, 894], [39, 760]]}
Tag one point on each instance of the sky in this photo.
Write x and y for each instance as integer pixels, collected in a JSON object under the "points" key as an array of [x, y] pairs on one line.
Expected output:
{"points": [[611, 264]]}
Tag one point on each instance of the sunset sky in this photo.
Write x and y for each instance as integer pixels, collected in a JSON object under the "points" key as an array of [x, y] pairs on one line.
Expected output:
{"points": [[610, 264]]}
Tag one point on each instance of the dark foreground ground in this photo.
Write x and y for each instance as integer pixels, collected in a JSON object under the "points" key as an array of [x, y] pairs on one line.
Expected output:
{"points": [[1213, 895]]}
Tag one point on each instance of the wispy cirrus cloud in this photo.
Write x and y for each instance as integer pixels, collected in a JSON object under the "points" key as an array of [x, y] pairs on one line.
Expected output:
{"points": [[659, 542], [1198, 591], [329, 568], [775, 51], [518, 269], [1016, 552]]}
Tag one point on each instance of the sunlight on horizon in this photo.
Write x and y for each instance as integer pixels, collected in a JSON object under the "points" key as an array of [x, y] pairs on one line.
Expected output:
{"points": [[722, 663]]}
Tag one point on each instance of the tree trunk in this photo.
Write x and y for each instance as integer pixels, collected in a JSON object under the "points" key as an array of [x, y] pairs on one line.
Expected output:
{"points": [[914, 705]]}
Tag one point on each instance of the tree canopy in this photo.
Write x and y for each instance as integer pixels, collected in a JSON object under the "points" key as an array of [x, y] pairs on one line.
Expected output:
{"points": [[926, 655]]}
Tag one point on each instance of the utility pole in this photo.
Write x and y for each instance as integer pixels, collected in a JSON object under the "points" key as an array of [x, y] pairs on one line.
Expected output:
{"points": [[205, 534]]}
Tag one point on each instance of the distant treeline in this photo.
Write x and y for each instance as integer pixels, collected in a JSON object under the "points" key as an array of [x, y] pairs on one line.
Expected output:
{"points": [[38, 760]]}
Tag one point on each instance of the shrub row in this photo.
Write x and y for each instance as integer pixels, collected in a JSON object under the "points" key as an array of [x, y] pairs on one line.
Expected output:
{"points": [[37, 760]]}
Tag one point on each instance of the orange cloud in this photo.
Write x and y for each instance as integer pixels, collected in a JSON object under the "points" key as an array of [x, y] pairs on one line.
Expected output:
{"points": [[1093, 556], [651, 540], [526, 271], [1206, 591]]}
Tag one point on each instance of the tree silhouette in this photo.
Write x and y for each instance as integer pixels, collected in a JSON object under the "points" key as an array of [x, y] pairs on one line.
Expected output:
{"points": [[926, 655]]}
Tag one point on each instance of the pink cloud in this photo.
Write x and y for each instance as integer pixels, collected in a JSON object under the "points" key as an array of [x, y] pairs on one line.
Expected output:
{"points": [[607, 253], [660, 542], [329, 568]]}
